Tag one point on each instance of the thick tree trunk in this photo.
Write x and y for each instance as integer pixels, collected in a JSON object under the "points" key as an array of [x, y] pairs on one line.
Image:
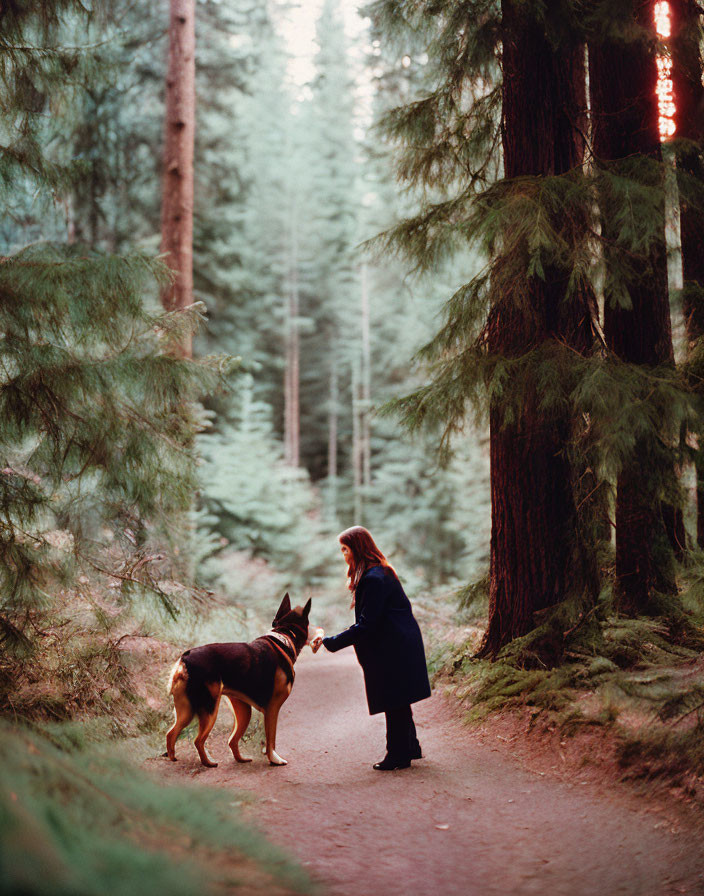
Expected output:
{"points": [[179, 134], [689, 96], [534, 550], [622, 77]]}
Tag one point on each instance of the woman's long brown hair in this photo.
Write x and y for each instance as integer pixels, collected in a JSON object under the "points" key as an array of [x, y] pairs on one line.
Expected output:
{"points": [[365, 554]]}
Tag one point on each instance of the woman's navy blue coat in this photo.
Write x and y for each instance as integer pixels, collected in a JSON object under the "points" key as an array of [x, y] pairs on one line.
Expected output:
{"points": [[387, 641]]}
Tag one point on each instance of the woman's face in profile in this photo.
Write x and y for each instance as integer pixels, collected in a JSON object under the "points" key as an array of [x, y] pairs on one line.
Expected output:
{"points": [[347, 554]]}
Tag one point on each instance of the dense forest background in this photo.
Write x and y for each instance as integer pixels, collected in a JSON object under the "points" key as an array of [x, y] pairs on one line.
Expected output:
{"points": [[447, 286], [289, 183]]}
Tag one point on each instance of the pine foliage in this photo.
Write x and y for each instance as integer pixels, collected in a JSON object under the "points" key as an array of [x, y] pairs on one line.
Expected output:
{"points": [[256, 502], [96, 411], [97, 414], [635, 416]]}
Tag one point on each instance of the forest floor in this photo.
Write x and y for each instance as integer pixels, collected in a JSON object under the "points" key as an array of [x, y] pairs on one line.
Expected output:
{"points": [[486, 812]]}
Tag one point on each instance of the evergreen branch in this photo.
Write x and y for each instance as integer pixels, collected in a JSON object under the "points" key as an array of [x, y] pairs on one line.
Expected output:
{"points": [[58, 48]]}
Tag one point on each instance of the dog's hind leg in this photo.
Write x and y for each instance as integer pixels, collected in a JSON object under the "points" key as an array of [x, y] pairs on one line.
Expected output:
{"points": [[183, 712], [206, 720], [282, 688], [243, 713]]}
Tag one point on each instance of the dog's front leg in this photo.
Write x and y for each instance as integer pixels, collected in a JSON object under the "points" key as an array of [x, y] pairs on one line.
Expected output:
{"points": [[271, 717], [282, 688]]}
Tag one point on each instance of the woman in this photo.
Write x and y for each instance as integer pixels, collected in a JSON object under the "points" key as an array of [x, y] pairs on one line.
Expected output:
{"points": [[388, 644]]}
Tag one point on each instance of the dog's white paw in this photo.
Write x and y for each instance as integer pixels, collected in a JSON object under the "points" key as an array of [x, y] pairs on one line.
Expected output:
{"points": [[275, 759]]}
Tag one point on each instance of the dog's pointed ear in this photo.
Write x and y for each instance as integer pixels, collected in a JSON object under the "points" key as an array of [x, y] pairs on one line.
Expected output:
{"points": [[284, 608], [306, 609]]}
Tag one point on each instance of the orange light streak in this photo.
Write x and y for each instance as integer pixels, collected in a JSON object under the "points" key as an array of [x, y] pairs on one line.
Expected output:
{"points": [[667, 108], [661, 14]]}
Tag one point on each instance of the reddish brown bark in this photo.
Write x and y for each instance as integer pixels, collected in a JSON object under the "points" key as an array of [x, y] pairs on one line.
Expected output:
{"points": [[179, 134], [622, 77], [689, 97], [534, 520]]}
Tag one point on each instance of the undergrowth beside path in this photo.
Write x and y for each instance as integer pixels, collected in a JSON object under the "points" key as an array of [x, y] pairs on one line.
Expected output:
{"points": [[77, 820], [634, 686]]}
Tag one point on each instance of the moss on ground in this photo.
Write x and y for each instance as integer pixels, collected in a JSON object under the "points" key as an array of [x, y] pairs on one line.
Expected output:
{"points": [[639, 679]]}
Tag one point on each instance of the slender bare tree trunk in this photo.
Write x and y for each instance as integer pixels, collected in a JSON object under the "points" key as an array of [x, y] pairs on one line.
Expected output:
{"points": [[70, 218], [333, 401], [179, 135], [366, 440], [292, 426], [357, 442]]}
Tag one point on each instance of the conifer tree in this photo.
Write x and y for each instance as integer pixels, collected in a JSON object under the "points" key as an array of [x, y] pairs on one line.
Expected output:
{"points": [[333, 292], [534, 558], [96, 412], [115, 127], [253, 263], [259, 503], [179, 141], [230, 270], [531, 310], [292, 340], [622, 77], [689, 95], [437, 516]]}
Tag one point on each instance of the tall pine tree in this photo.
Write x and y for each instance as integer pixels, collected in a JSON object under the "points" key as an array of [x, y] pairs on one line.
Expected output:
{"points": [[179, 143], [622, 77], [535, 558], [523, 324], [687, 75]]}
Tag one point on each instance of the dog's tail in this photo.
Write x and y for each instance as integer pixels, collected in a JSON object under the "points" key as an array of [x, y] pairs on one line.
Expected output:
{"points": [[179, 673], [193, 683]]}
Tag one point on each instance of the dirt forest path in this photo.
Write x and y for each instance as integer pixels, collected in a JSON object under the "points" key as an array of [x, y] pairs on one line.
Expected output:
{"points": [[471, 818]]}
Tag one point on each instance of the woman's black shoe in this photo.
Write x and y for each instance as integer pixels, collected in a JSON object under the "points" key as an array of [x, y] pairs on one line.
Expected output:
{"points": [[416, 752], [388, 764]]}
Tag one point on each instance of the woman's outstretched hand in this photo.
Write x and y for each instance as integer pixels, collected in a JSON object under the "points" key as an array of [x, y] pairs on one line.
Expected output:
{"points": [[317, 641]]}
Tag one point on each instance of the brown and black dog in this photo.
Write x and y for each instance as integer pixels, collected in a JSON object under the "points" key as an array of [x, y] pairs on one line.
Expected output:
{"points": [[259, 673]]}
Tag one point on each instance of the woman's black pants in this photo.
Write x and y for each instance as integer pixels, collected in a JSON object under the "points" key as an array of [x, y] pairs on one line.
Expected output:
{"points": [[401, 739]]}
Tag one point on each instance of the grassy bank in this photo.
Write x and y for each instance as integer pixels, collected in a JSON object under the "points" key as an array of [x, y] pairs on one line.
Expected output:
{"points": [[79, 814], [76, 819]]}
